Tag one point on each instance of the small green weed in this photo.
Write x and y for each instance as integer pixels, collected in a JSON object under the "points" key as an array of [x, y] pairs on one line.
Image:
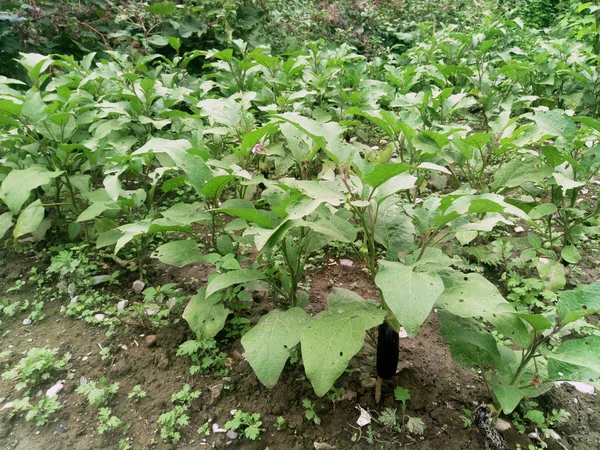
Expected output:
{"points": [[137, 393], [310, 411], [98, 393], [205, 356], [280, 423], [108, 422], [37, 366], [40, 412], [172, 421], [247, 423]]}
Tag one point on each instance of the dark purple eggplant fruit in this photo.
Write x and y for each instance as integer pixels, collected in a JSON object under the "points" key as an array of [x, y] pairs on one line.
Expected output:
{"points": [[388, 343]]}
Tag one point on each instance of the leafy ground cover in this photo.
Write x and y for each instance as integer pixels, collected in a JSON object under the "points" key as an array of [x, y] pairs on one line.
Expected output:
{"points": [[271, 210]]}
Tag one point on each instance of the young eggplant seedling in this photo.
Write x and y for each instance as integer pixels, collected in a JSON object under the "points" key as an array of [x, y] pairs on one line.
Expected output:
{"points": [[388, 343]]}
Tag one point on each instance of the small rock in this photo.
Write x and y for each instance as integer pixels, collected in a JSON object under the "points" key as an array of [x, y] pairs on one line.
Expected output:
{"points": [[27, 322], [215, 392], [368, 384], [2, 399], [349, 395], [217, 429], [124, 347], [323, 446], [82, 381], [150, 340], [55, 389], [519, 229], [232, 434], [85, 358], [71, 376], [62, 428], [346, 262], [402, 334], [99, 317], [163, 363], [120, 368], [502, 425], [9, 405], [138, 286], [122, 305]]}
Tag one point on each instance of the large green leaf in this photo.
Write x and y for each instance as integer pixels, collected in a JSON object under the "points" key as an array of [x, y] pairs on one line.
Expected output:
{"points": [[162, 8], [178, 253], [570, 254], [579, 302], [552, 274], [187, 213], [225, 111], [18, 184], [393, 229], [95, 209], [378, 174], [566, 183], [205, 315], [542, 210], [29, 219], [583, 352], [245, 209], [470, 344], [508, 395], [268, 344], [133, 230], [254, 137], [5, 223], [214, 187], [335, 336], [34, 108], [553, 123], [179, 155], [471, 295], [227, 279], [410, 295]]}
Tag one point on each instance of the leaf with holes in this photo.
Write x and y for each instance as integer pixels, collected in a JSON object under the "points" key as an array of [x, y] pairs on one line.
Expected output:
{"points": [[471, 295], [583, 352], [576, 303]]}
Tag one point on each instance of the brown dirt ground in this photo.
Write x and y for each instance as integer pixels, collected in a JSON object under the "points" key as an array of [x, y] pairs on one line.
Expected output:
{"points": [[440, 389]]}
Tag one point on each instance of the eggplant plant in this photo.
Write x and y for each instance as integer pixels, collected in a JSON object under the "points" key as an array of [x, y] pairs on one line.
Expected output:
{"points": [[536, 355]]}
